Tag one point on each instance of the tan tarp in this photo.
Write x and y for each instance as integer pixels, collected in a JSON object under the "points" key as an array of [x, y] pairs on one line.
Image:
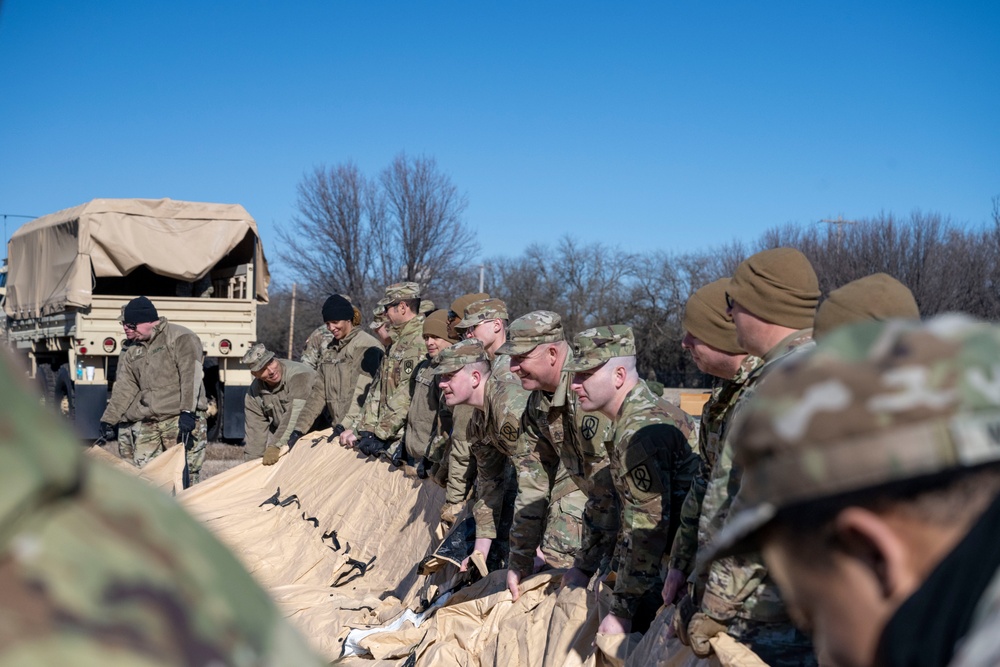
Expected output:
{"points": [[165, 472], [52, 259], [330, 511]]}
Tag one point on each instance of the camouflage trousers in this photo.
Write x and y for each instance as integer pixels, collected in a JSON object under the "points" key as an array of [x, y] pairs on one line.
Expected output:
{"points": [[564, 525], [141, 442]]}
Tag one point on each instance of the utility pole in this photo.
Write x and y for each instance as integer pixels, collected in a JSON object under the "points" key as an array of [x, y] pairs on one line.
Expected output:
{"points": [[839, 222], [291, 323], [482, 276]]}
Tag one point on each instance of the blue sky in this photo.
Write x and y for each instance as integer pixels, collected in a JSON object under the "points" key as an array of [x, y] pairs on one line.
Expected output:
{"points": [[668, 125]]}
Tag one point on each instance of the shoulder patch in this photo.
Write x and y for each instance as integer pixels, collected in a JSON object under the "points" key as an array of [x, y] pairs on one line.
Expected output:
{"points": [[509, 432], [408, 366], [589, 426], [642, 477]]}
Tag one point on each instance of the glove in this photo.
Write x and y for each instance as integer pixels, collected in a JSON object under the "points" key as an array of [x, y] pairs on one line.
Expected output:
{"points": [[369, 445], [450, 512], [682, 616], [271, 455], [293, 437], [702, 628], [337, 430], [185, 425], [107, 432], [422, 465], [399, 456]]}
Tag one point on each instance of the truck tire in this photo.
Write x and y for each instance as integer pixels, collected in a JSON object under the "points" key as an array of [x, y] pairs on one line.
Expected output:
{"points": [[65, 394], [45, 375]]}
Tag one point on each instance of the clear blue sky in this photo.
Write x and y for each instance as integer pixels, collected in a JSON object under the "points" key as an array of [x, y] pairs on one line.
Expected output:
{"points": [[673, 125]]}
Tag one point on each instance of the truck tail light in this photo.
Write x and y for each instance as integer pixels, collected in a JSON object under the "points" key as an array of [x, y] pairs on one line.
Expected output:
{"points": [[83, 350], [110, 344], [225, 346]]}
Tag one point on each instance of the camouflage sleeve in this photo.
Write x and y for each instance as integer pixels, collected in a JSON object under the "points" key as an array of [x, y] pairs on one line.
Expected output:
{"points": [[685, 546], [393, 417], [536, 472], [364, 419], [257, 427], [314, 403], [188, 354], [459, 456], [491, 466], [731, 581], [422, 415], [313, 351], [124, 392], [645, 464], [299, 388], [601, 522], [371, 360]]}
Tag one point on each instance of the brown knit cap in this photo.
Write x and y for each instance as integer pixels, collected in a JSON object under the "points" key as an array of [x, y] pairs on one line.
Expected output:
{"points": [[459, 304], [777, 285], [875, 297], [705, 317], [436, 324]]}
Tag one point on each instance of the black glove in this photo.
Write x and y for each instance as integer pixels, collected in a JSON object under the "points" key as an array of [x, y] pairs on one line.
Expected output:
{"points": [[337, 430], [293, 437], [185, 426], [107, 432], [369, 445], [399, 456], [423, 465]]}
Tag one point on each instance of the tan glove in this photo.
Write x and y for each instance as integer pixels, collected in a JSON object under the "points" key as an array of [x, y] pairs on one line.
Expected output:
{"points": [[450, 512], [700, 630], [271, 455]]}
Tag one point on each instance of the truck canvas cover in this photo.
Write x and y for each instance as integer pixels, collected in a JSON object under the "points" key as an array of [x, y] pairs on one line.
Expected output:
{"points": [[55, 259]]}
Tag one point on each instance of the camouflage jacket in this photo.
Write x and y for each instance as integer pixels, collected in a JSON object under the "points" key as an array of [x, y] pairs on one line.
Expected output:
{"points": [[739, 587], [460, 458], [272, 412], [318, 340], [429, 419], [564, 451], [346, 369], [389, 398], [711, 434], [496, 437], [159, 377], [100, 568], [652, 467]]}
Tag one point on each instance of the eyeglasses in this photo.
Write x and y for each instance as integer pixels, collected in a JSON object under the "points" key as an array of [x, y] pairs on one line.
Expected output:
{"points": [[729, 301], [131, 326]]}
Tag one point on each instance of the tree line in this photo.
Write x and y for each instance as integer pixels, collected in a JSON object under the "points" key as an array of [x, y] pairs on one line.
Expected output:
{"points": [[354, 234]]}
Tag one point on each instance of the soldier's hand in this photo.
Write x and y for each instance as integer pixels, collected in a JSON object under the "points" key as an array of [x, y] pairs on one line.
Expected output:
{"points": [[672, 585], [450, 512], [574, 577], [185, 427], [423, 465], [107, 432], [348, 438], [514, 584], [615, 625], [700, 630], [682, 616], [293, 437], [271, 455], [337, 430]]}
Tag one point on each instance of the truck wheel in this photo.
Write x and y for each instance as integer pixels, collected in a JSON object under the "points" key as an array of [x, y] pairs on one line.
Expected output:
{"points": [[46, 378], [64, 396], [215, 423]]}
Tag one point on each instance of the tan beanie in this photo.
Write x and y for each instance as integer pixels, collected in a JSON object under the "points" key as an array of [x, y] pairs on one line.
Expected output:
{"points": [[875, 297], [779, 286], [436, 324], [705, 317], [459, 304]]}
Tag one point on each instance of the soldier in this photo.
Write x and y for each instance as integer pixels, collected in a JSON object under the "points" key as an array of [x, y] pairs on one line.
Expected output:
{"points": [[772, 299], [380, 428], [875, 297], [710, 339], [652, 466], [429, 420], [346, 368], [565, 461], [158, 391], [100, 568], [318, 340], [871, 482], [459, 467], [466, 378], [274, 402]]}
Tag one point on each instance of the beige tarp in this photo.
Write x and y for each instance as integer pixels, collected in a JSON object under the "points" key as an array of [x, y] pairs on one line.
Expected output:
{"points": [[52, 259], [311, 521], [165, 472]]}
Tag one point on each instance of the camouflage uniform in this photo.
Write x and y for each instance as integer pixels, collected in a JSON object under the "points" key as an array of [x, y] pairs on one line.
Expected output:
{"points": [[272, 412], [156, 380], [100, 569], [565, 464], [873, 405], [652, 467], [345, 373], [460, 467], [318, 340], [737, 591]]}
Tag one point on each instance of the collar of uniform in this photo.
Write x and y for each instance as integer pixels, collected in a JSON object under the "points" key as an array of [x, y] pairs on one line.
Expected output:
{"points": [[788, 343], [161, 324]]}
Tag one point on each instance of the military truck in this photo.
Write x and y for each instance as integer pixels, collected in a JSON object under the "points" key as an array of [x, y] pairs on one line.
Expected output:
{"points": [[70, 274]]}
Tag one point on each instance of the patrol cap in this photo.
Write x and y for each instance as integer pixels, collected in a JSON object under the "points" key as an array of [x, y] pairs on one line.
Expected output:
{"points": [[706, 319], [257, 357], [460, 355], [482, 310], [531, 330], [593, 347], [778, 285], [873, 404], [459, 304], [399, 292], [378, 318], [875, 297], [426, 307], [436, 324]]}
